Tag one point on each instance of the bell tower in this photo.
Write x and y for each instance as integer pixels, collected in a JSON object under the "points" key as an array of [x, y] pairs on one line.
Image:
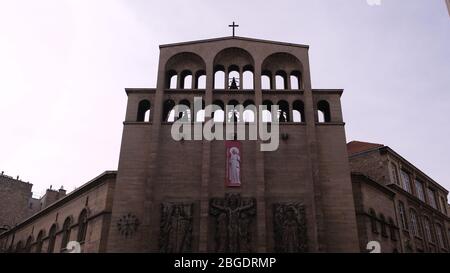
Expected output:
{"points": [[175, 188]]}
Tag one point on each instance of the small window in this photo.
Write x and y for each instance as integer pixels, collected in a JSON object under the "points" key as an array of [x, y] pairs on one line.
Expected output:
{"points": [[383, 226], [392, 230], [219, 80], [427, 226], [402, 214], [432, 198], [66, 232], [51, 239], [82, 226], [373, 221], [394, 174], [414, 223], [406, 182], [143, 111], [439, 236], [419, 190], [323, 111]]}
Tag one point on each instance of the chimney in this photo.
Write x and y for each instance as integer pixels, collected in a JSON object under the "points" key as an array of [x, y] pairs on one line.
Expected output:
{"points": [[62, 192]]}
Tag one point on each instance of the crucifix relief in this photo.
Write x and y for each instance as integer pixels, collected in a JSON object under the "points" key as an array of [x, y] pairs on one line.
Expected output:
{"points": [[233, 26], [233, 216]]}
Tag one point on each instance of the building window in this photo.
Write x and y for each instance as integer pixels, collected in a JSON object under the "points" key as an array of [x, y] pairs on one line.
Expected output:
{"points": [[373, 221], [394, 173], [28, 245], [402, 213], [392, 230], [51, 239], [66, 232], [406, 182], [439, 236], [427, 226], [431, 198], [414, 223], [419, 190], [82, 226], [383, 226]]}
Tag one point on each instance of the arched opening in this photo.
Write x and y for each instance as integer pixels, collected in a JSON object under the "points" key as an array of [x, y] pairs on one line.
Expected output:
{"points": [[40, 241], [233, 115], [28, 244], [51, 239], [219, 77], [184, 113], [323, 111], [298, 111], [248, 78], [219, 114], [283, 111], [295, 80], [280, 80], [200, 80], [267, 114], [143, 111], [82, 226], [266, 80], [249, 112], [186, 80], [172, 79], [67, 226], [234, 80], [168, 111], [185, 63], [19, 247], [200, 114]]}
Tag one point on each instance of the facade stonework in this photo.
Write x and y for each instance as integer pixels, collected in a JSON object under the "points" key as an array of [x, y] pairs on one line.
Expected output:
{"points": [[171, 196]]}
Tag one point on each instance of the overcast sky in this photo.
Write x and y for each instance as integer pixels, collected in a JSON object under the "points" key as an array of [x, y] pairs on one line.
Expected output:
{"points": [[64, 66]]}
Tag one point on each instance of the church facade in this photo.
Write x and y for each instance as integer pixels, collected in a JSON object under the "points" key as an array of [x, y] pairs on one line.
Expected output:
{"points": [[175, 192]]}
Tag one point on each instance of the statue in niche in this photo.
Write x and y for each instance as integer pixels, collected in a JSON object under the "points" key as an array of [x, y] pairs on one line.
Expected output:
{"points": [[289, 228], [233, 218], [176, 227]]}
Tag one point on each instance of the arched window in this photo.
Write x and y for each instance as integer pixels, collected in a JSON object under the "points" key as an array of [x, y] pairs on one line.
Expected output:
{"points": [[383, 225], [373, 221], [168, 111], [51, 239], [295, 80], [234, 81], [267, 114], [143, 111], [414, 222], [392, 229], [402, 215], [283, 111], [233, 115], [67, 226], [172, 79], [28, 244], [219, 77], [200, 80], [323, 111], [19, 247], [184, 111], [219, 114], [298, 111], [186, 80], [82, 226], [280, 80], [249, 112], [266, 82], [248, 78], [40, 241]]}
